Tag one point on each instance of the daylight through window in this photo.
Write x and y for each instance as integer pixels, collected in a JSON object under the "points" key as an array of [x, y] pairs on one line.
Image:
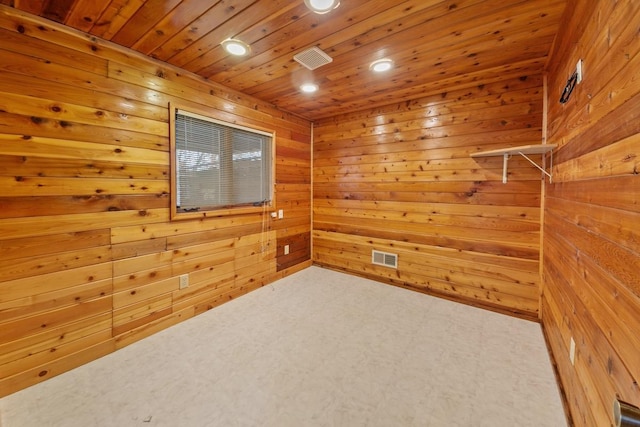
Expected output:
{"points": [[220, 165]]}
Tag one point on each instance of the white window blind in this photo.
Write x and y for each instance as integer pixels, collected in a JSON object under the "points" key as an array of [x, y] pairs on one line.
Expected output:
{"points": [[220, 165]]}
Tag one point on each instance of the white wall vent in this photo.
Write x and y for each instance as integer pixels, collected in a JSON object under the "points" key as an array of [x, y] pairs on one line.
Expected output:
{"points": [[313, 58], [384, 258]]}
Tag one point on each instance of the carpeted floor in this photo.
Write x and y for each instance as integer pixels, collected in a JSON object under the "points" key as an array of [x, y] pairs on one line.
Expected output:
{"points": [[319, 348]]}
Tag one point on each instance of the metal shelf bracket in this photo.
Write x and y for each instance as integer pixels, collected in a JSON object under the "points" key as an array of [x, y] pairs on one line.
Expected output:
{"points": [[523, 151]]}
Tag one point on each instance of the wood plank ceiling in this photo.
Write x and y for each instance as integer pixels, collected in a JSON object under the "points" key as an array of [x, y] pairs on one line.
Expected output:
{"points": [[436, 45]]}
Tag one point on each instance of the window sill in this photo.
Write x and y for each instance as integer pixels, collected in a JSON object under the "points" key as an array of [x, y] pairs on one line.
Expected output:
{"points": [[216, 213]]}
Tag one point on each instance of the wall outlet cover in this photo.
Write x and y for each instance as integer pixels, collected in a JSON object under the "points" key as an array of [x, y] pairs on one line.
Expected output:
{"points": [[579, 71], [184, 281], [572, 351]]}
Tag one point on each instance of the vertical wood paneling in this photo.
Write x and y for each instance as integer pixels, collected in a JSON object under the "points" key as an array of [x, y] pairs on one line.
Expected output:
{"points": [[400, 179], [89, 259], [591, 235]]}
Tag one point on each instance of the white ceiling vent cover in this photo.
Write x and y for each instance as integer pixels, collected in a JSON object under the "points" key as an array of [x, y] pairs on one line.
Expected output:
{"points": [[313, 58], [384, 258]]}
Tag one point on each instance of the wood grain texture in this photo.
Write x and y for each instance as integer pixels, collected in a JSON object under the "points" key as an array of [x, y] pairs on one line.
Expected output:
{"points": [[90, 260], [400, 178], [591, 290], [437, 45]]}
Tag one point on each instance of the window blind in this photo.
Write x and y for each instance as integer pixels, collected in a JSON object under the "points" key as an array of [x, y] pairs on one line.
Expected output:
{"points": [[220, 165]]}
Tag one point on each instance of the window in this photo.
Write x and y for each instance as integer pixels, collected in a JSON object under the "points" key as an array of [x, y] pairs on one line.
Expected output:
{"points": [[218, 168]]}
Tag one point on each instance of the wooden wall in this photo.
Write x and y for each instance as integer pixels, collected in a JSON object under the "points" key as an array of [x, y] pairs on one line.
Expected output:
{"points": [[399, 179], [89, 260], [592, 219]]}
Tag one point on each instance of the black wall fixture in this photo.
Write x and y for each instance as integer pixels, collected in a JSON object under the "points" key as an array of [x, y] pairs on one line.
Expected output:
{"points": [[575, 78]]}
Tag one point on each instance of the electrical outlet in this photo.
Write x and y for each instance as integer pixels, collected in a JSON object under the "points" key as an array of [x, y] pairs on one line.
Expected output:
{"points": [[280, 214], [579, 71], [286, 249], [184, 281], [572, 351]]}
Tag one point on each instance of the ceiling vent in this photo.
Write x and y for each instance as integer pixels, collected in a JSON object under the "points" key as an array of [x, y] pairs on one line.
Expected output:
{"points": [[313, 58]]}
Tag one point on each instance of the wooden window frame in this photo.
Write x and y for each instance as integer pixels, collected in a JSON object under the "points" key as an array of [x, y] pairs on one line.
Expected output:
{"points": [[176, 214]]}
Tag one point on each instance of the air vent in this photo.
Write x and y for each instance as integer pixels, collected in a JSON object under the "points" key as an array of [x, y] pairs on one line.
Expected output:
{"points": [[313, 58], [384, 258]]}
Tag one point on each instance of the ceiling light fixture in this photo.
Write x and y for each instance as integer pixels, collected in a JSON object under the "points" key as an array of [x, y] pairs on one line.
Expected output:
{"points": [[309, 87], [381, 65], [322, 6], [236, 47]]}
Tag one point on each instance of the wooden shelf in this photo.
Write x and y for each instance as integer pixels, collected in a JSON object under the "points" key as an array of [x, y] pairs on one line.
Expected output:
{"points": [[523, 150]]}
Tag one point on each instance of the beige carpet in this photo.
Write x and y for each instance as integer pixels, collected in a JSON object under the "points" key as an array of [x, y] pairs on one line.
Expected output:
{"points": [[319, 348]]}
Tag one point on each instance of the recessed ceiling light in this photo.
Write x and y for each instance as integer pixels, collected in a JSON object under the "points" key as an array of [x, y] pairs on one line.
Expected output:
{"points": [[236, 47], [322, 6], [309, 87], [381, 65]]}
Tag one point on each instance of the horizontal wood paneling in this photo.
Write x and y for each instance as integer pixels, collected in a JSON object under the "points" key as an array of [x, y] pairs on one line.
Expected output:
{"points": [[436, 44], [89, 260], [400, 178], [591, 235]]}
